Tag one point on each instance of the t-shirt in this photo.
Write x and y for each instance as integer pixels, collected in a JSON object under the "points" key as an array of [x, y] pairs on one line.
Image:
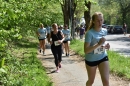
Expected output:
{"points": [[56, 37], [48, 29], [66, 33], [42, 33], [93, 37]]}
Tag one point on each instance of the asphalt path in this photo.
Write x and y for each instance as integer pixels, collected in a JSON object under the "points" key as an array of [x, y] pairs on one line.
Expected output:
{"points": [[119, 43], [73, 71]]}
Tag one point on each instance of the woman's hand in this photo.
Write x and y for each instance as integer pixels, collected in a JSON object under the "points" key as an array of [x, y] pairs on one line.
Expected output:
{"points": [[59, 41], [101, 41], [51, 42], [107, 46]]}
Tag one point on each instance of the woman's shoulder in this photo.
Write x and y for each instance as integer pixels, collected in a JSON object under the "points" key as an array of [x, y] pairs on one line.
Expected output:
{"points": [[44, 28], [68, 30], [104, 30], [59, 31], [63, 30], [90, 32]]}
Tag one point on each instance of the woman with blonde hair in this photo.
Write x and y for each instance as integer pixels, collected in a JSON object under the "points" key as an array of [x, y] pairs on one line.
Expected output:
{"points": [[95, 50], [41, 33]]}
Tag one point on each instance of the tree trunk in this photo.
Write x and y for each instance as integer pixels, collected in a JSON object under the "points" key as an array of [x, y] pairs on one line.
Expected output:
{"points": [[124, 17], [68, 9], [72, 8], [87, 14], [65, 10]]}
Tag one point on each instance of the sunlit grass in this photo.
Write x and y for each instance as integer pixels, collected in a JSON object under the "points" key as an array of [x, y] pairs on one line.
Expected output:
{"points": [[119, 64], [24, 68]]}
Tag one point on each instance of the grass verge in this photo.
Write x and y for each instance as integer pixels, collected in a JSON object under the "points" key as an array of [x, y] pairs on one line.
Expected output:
{"points": [[23, 67], [119, 64]]}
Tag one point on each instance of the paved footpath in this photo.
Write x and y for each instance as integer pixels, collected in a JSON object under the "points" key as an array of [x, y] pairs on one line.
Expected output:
{"points": [[73, 72]]}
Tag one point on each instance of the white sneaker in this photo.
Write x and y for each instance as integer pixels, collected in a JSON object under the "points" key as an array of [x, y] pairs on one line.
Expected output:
{"points": [[43, 53]]}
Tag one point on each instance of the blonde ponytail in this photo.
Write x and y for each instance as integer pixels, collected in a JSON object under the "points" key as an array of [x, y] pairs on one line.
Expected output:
{"points": [[91, 24]]}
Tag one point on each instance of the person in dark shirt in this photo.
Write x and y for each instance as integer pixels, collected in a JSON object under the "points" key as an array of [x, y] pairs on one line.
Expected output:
{"points": [[81, 31], [124, 28], [56, 41], [77, 30]]}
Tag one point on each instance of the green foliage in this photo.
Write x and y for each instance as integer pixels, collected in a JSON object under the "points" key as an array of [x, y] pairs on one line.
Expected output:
{"points": [[115, 11], [22, 68], [19, 20], [21, 17], [79, 49], [2, 62]]}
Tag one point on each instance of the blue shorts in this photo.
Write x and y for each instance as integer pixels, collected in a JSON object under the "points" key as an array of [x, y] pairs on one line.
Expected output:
{"points": [[95, 63]]}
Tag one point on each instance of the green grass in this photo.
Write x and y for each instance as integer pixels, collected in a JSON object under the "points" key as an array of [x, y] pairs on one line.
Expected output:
{"points": [[23, 67], [77, 46], [119, 65]]}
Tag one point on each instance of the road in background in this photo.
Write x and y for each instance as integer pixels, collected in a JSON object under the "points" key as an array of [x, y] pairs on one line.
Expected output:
{"points": [[119, 43]]}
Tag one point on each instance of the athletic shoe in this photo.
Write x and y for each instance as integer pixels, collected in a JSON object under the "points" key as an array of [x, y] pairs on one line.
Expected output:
{"points": [[40, 50], [43, 53], [62, 52], [66, 54], [57, 71]]}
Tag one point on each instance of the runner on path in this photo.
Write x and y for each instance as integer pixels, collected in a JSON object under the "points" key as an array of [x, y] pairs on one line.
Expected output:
{"points": [[41, 33], [95, 53], [56, 45], [66, 41]]}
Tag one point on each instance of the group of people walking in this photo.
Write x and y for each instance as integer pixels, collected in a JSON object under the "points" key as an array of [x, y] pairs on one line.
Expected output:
{"points": [[59, 39], [80, 31], [94, 47]]}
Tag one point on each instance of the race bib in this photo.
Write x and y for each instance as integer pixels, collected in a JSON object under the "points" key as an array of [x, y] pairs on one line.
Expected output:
{"points": [[56, 43], [99, 50]]}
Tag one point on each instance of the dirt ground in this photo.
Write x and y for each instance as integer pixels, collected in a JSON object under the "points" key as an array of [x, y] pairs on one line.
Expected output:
{"points": [[73, 71]]}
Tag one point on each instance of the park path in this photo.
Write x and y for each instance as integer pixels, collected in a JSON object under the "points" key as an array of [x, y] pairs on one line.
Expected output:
{"points": [[73, 72]]}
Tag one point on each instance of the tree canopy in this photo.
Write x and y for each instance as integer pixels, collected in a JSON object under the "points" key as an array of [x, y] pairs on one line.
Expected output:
{"points": [[21, 17]]}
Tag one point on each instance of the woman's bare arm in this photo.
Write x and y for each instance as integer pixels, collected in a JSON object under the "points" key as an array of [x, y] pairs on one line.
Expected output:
{"points": [[88, 48]]}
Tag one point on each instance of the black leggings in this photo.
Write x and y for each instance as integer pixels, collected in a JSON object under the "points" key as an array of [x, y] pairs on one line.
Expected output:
{"points": [[57, 52]]}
